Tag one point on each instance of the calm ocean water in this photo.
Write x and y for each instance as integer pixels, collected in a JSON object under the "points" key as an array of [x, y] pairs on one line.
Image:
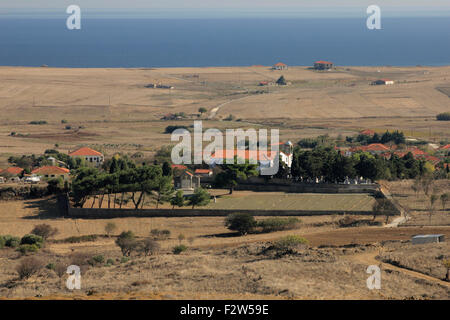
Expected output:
{"points": [[223, 42]]}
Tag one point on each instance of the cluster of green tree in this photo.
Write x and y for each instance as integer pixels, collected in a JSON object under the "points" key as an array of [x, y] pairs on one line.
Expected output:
{"points": [[332, 166], [138, 184], [445, 116], [232, 173], [28, 162], [396, 137], [311, 143]]}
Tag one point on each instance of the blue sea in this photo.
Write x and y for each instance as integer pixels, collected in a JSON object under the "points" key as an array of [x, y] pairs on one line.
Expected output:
{"points": [[223, 42]]}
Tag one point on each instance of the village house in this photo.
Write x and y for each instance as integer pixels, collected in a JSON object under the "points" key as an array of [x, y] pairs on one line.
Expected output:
{"points": [[279, 66], [265, 159], [323, 65], [203, 172], [374, 148], [186, 181], [12, 172], [52, 172], [383, 82], [90, 155]]}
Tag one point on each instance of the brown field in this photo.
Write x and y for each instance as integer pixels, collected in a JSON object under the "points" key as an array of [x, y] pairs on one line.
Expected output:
{"points": [[112, 111], [117, 113], [220, 265]]}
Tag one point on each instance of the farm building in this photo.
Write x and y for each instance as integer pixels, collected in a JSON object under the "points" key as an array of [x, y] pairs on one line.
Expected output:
{"points": [[383, 82], [186, 181], [427, 238], [12, 171], [203, 172], [89, 155], [51, 172], [279, 66], [323, 65], [367, 132]]}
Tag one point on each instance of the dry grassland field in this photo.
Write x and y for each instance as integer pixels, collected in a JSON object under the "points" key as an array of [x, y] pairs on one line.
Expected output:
{"points": [[116, 112], [113, 111]]}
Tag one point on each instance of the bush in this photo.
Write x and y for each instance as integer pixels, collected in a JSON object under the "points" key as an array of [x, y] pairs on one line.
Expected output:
{"points": [[278, 224], [149, 247], [28, 248], [110, 262], [240, 222], [179, 249], [50, 266], [110, 228], [124, 259], [38, 122], [445, 116], [157, 234], [2, 242], [127, 243], [44, 230], [28, 266], [10, 241], [346, 222], [32, 239], [288, 244], [95, 260], [85, 238]]}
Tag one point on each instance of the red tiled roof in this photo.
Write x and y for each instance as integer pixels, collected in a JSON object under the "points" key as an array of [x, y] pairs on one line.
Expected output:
{"points": [[13, 170], [280, 64], [432, 159], [367, 132], [371, 147], [202, 171], [179, 167], [323, 62], [85, 151], [445, 147], [50, 170]]}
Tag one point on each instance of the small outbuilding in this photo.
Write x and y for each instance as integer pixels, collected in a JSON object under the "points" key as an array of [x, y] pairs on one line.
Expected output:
{"points": [[385, 82], [323, 65], [280, 66], [427, 238]]}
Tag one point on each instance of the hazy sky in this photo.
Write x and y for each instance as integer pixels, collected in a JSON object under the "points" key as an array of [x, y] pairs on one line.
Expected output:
{"points": [[239, 7]]}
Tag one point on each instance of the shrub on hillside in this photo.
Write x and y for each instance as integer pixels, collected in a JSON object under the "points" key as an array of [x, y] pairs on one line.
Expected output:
{"points": [[157, 234], [278, 224], [32, 239], [79, 239], [28, 248], [29, 266], [288, 244], [127, 243], [240, 222], [149, 247], [2, 242], [44, 230], [11, 241], [110, 228], [179, 249], [96, 260]]}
